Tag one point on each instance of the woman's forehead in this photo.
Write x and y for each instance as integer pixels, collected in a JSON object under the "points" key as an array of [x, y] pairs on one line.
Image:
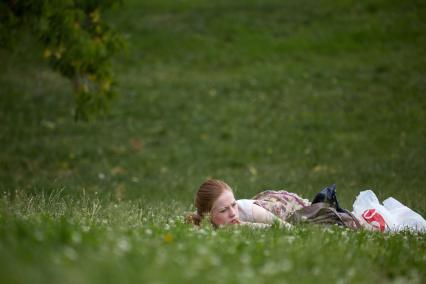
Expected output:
{"points": [[225, 199]]}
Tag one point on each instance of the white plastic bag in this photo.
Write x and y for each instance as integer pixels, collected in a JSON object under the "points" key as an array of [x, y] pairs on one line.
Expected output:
{"points": [[368, 208], [391, 216], [404, 217]]}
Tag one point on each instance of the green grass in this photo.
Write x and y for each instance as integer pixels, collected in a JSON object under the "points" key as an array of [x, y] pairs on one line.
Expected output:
{"points": [[268, 94], [52, 239]]}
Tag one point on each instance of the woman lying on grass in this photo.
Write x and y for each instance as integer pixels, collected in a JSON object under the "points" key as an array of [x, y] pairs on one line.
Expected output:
{"points": [[216, 201]]}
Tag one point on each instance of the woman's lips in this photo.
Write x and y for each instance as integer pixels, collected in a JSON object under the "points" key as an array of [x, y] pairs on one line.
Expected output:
{"points": [[235, 221]]}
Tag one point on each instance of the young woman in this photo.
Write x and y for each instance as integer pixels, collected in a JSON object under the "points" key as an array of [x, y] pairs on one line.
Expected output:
{"points": [[215, 200]]}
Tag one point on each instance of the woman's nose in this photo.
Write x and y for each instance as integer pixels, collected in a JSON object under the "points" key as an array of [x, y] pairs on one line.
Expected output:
{"points": [[232, 212]]}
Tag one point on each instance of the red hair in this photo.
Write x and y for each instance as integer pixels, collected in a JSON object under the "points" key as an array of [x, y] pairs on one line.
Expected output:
{"points": [[207, 194]]}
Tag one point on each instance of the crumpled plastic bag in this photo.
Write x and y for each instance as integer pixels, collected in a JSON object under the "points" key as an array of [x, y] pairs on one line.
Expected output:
{"points": [[404, 217], [391, 216]]}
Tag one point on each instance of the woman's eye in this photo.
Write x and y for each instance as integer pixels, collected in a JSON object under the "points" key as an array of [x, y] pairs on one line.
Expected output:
{"points": [[234, 204]]}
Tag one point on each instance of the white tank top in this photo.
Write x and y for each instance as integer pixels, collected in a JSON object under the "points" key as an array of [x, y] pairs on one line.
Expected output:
{"points": [[245, 210]]}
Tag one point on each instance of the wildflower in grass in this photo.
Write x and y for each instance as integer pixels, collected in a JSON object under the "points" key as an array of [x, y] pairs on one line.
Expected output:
{"points": [[246, 275], [214, 260], [123, 245], [76, 237], [168, 238], [202, 250], [70, 253], [38, 235], [269, 269], [181, 247], [245, 259], [290, 239]]}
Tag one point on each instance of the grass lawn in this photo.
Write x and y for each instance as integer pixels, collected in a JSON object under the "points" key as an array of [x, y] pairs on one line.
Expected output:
{"points": [[265, 94]]}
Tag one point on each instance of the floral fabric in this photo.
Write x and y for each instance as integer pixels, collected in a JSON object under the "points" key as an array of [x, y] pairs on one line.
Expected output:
{"points": [[280, 203]]}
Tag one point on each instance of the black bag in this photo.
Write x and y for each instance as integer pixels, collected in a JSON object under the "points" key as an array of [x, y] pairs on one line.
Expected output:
{"points": [[328, 195]]}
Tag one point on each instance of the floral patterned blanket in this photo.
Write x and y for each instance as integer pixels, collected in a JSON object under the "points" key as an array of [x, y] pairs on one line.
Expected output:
{"points": [[281, 203]]}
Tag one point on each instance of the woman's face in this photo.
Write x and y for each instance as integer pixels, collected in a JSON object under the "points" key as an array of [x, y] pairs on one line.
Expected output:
{"points": [[225, 209]]}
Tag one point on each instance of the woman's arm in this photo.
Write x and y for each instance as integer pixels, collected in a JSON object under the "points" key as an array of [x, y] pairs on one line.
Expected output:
{"points": [[261, 215], [255, 225]]}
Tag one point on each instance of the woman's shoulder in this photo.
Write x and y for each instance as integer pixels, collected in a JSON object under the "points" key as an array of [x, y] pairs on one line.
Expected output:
{"points": [[245, 204], [245, 201], [245, 209]]}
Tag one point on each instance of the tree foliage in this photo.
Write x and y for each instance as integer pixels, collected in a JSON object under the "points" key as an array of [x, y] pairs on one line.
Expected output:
{"points": [[77, 42]]}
